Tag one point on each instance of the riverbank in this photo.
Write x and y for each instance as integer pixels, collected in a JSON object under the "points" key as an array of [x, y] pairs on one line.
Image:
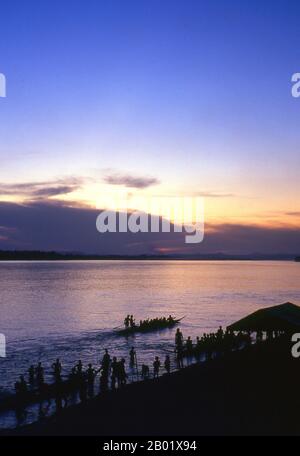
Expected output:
{"points": [[252, 392], [35, 255]]}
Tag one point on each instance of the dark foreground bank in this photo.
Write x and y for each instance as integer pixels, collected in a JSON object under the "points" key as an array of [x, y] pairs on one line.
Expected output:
{"points": [[252, 392]]}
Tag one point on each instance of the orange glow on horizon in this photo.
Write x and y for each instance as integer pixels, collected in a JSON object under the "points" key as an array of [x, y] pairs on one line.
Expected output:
{"points": [[219, 210]]}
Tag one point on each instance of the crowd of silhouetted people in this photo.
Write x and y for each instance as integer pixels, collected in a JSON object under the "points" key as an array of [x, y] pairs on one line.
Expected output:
{"points": [[113, 374], [113, 371], [81, 381], [210, 345]]}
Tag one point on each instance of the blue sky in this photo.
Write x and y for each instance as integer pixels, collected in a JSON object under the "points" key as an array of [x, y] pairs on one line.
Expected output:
{"points": [[193, 93]]}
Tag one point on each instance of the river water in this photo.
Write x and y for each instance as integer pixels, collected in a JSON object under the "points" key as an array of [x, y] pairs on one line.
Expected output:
{"points": [[69, 309]]}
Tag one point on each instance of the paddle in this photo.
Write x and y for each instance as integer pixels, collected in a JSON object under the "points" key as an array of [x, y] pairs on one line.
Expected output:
{"points": [[117, 327]]}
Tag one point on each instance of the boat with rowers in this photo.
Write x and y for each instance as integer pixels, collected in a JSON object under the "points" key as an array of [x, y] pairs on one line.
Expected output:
{"points": [[149, 325]]}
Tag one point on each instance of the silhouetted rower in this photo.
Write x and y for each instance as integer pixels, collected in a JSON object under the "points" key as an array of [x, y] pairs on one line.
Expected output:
{"points": [[132, 321], [127, 321]]}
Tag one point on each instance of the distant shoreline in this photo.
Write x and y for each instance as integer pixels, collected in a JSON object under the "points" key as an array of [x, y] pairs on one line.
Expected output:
{"points": [[57, 256]]}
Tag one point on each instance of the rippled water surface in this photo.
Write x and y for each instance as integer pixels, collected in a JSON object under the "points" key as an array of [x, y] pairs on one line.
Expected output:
{"points": [[69, 309]]}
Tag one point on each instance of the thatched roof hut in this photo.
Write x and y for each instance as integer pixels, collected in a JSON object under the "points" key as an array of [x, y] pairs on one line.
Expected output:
{"points": [[285, 317]]}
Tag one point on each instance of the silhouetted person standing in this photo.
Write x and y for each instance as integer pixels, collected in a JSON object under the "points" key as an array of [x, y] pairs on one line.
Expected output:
{"points": [[178, 338], [179, 356], [23, 387], [79, 367], [122, 376], [132, 355], [168, 364], [57, 370], [104, 381], [156, 367], [105, 364], [114, 372], [73, 382], [145, 371], [90, 375], [189, 346], [21, 396], [31, 374], [40, 376], [82, 386]]}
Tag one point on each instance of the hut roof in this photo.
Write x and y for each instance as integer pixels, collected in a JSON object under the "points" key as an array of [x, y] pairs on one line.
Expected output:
{"points": [[285, 317]]}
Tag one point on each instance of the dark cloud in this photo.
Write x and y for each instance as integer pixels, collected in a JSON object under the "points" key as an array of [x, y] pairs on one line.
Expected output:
{"points": [[51, 226], [130, 181], [54, 226], [47, 189], [241, 239], [47, 192]]}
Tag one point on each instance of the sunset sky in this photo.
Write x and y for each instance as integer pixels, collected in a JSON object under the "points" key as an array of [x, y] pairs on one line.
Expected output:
{"points": [[154, 98]]}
